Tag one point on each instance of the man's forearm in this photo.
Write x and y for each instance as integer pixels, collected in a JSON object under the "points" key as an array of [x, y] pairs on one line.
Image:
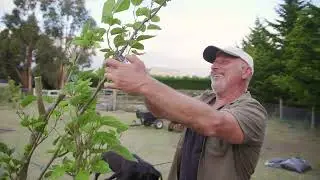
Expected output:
{"points": [[156, 111], [179, 107]]}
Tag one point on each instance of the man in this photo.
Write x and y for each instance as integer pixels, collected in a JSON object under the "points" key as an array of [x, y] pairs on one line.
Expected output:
{"points": [[225, 129]]}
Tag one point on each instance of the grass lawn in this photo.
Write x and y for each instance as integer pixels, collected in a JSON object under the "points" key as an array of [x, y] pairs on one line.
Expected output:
{"points": [[158, 146]]}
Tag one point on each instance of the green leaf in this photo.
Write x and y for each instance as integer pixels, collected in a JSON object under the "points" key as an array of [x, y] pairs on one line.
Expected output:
{"points": [[28, 100], [69, 144], [160, 2], [48, 99], [138, 45], [113, 122], [155, 18], [57, 172], [123, 151], [122, 5], [5, 149], [82, 175], [105, 138], [138, 25], [135, 52], [153, 26], [129, 25], [107, 10], [119, 40], [117, 30], [116, 21], [112, 21], [143, 37], [56, 140], [80, 42], [136, 2], [25, 122], [68, 164], [51, 151], [48, 174], [105, 50], [38, 126], [100, 167], [143, 11], [87, 117], [108, 54]]}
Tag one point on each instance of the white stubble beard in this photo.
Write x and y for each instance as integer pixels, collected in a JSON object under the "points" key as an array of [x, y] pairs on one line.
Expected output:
{"points": [[212, 83]]}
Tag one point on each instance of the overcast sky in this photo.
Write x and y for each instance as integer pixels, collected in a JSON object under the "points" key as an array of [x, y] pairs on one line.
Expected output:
{"points": [[188, 26]]}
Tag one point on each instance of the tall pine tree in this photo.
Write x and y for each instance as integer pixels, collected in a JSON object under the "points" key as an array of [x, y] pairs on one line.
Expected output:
{"points": [[302, 78], [288, 13], [260, 46]]}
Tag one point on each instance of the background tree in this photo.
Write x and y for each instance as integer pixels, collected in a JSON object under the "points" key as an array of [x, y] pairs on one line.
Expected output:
{"points": [[286, 55], [260, 45], [303, 59], [62, 20]]}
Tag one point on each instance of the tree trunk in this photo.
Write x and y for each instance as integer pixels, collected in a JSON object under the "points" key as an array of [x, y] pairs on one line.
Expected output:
{"points": [[61, 79], [24, 78], [29, 71], [18, 74]]}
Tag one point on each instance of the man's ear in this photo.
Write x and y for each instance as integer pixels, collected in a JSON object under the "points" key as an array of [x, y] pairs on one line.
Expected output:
{"points": [[246, 72]]}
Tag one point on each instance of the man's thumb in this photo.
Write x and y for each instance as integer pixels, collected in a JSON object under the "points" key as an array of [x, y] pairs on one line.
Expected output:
{"points": [[132, 58]]}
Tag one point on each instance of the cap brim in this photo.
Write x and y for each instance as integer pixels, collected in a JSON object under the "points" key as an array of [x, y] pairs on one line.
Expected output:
{"points": [[210, 52]]}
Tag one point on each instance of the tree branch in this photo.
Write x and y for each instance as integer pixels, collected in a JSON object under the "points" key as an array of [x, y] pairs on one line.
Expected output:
{"points": [[108, 37], [118, 54], [55, 155]]}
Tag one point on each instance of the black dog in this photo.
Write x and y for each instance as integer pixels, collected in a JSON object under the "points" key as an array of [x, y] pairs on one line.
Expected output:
{"points": [[129, 170]]}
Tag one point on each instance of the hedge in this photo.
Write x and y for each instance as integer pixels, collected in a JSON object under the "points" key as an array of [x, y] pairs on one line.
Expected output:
{"points": [[185, 82], [188, 83]]}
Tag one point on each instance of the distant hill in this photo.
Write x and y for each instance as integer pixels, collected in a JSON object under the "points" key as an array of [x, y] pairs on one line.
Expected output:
{"points": [[163, 71]]}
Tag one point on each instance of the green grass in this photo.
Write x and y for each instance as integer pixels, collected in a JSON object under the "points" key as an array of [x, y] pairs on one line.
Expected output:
{"points": [[158, 146]]}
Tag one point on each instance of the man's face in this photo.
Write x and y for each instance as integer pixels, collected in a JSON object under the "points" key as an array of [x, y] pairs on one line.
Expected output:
{"points": [[226, 71]]}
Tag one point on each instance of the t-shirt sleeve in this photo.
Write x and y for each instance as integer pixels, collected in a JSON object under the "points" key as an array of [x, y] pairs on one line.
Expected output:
{"points": [[251, 117]]}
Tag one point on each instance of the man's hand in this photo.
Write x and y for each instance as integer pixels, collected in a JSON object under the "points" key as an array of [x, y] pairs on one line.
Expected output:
{"points": [[129, 77]]}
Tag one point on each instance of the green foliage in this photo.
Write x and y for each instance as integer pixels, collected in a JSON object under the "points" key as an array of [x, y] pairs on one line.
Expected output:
{"points": [[28, 100], [8, 163], [287, 61], [186, 82], [11, 93], [87, 133], [126, 35], [191, 83]]}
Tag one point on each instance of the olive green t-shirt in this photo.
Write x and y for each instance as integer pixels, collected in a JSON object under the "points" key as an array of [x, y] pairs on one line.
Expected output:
{"points": [[222, 160]]}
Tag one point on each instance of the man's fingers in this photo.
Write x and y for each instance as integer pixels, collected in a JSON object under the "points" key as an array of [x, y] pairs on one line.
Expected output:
{"points": [[132, 58], [112, 63], [110, 85], [108, 70], [109, 75]]}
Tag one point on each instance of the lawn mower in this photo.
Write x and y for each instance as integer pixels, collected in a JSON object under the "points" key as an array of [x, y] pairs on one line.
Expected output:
{"points": [[147, 119]]}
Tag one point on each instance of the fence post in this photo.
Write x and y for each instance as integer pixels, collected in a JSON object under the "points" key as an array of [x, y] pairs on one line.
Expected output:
{"points": [[114, 99], [281, 109], [313, 123]]}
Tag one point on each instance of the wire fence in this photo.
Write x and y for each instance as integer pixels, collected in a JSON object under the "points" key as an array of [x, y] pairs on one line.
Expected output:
{"points": [[111, 100], [305, 116]]}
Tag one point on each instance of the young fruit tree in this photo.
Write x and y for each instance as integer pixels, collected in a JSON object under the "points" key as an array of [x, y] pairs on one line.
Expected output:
{"points": [[85, 134]]}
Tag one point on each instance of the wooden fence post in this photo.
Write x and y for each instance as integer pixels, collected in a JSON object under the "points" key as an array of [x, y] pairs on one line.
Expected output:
{"points": [[313, 123], [114, 99], [281, 109]]}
